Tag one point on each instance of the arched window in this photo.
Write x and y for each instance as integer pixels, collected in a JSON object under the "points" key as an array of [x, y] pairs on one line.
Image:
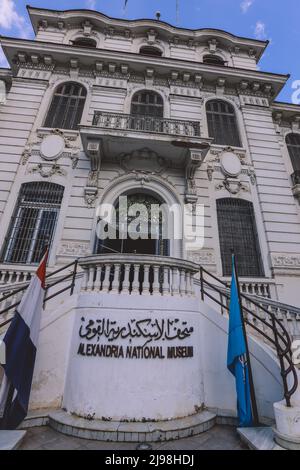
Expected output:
{"points": [[237, 231], [222, 125], [33, 222], [67, 105], [150, 50], [84, 42], [293, 145], [213, 60], [149, 225], [147, 103]]}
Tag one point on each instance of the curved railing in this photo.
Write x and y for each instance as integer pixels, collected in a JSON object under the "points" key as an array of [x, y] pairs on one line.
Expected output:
{"points": [[260, 319], [138, 274]]}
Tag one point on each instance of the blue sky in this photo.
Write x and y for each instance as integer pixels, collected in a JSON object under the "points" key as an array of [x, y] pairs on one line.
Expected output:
{"points": [[275, 20]]}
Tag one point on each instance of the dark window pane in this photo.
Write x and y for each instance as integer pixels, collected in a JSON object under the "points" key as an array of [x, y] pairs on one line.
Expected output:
{"points": [[147, 103], [33, 222], [67, 105], [293, 145], [237, 231], [222, 125]]}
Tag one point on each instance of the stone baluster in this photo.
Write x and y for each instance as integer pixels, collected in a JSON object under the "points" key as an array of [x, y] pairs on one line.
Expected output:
{"points": [[135, 283], [146, 283], [10, 276], [85, 279], [156, 280], [106, 280], [166, 281], [90, 278], [126, 282], [188, 283], [182, 287], [175, 281], [97, 283], [116, 280]]}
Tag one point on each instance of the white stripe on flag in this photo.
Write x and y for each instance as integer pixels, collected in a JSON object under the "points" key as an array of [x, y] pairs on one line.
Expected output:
{"points": [[4, 394]]}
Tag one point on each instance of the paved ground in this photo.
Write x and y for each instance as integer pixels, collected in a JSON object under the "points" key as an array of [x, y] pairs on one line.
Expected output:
{"points": [[218, 438]]}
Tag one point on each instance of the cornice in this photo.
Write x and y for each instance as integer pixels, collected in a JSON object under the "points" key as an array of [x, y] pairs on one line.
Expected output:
{"points": [[49, 53], [38, 14]]}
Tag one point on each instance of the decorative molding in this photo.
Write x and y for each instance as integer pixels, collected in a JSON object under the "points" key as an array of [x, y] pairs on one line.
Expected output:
{"points": [[144, 160], [194, 160], [203, 257], [76, 249], [283, 260], [232, 185], [46, 171]]}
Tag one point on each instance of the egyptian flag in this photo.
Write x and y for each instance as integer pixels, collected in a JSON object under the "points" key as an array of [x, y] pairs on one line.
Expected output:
{"points": [[21, 341]]}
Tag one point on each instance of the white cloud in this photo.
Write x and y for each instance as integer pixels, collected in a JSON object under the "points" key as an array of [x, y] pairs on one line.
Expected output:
{"points": [[260, 30], [91, 4], [246, 4], [10, 18]]}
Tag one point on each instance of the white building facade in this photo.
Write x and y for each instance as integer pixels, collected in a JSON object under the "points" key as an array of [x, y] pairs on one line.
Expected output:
{"points": [[96, 108]]}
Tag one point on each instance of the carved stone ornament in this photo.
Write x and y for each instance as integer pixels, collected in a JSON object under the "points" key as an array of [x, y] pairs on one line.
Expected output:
{"points": [[194, 160], [286, 261], [144, 160], [230, 164], [52, 147], [232, 185], [90, 195], [46, 171], [76, 249], [203, 257]]}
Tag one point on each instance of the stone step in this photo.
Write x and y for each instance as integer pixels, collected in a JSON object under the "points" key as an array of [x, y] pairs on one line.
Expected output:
{"points": [[261, 438], [117, 431], [11, 440]]}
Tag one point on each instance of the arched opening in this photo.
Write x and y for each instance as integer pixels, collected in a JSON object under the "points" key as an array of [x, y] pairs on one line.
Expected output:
{"points": [[238, 232], [213, 60], [222, 123], [84, 42], [139, 226], [33, 222], [147, 103], [150, 51], [67, 105]]}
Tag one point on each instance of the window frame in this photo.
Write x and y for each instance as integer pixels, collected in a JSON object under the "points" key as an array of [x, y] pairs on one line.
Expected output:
{"points": [[33, 232], [294, 157], [219, 130], [53, 113], [234, 236]]}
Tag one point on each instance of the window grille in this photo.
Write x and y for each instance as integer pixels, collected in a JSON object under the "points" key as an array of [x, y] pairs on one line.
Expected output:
{"points": [[33, 222], [67, 105], [222, 125], [293, 145], [237, 231], [147, 103]]}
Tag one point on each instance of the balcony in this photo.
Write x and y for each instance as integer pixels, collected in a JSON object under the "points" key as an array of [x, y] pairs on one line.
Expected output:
{"points": [[146, 124], [138, 274], [112, 134]]}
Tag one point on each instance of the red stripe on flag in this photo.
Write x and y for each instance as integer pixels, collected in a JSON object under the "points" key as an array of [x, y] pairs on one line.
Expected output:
{"points": [[41, 272]]}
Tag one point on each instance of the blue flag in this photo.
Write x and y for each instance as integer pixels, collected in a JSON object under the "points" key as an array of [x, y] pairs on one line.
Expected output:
{"points": [[236, 355]]}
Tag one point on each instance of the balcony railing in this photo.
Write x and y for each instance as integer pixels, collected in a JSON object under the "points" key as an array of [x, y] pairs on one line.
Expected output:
{"points": [[138, 274], [151, 124]]}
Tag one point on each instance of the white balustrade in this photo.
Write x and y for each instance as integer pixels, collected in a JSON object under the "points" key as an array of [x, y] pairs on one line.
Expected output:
{"points": [[138, 274]]}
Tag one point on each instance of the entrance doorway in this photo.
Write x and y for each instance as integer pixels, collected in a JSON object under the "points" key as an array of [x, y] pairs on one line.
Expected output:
{"points": [[150, 242]]}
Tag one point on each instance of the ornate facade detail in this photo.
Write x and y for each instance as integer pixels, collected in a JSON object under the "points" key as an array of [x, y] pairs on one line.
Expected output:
{"points": [[76, 249], [203, 257], [144, 160], [288, 261], [194, 160], [46, 171], [252, 175], [232, 185]]}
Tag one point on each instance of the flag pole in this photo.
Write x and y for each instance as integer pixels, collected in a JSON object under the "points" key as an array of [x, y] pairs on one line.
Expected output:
{"points": [[251, 382]]}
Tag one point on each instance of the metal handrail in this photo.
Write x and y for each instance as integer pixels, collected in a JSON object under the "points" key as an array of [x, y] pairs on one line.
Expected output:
{"points": [[280, 340], [140, 123], [72, 276]]}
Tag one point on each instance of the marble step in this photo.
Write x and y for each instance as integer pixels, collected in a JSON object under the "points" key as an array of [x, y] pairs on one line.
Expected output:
{"points": [[261, 438], [11, 440], [116, 431]]}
